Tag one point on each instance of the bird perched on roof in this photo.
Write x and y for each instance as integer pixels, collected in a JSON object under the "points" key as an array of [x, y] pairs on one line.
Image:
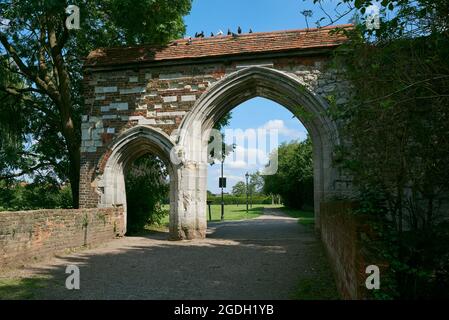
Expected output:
{"points": [[212, 35], [239, 30], [220, 33], [201, 35], [250, 30], [229, 32], [189, 41]]}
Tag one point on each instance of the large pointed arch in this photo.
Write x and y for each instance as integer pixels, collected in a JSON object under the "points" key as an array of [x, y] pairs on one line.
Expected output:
{"points": [[283, 88]]}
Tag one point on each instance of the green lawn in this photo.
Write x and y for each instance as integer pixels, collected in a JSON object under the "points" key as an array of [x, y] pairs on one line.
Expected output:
{"points": [[306, 218], [237, 212], [20, 289], [232, 213]]}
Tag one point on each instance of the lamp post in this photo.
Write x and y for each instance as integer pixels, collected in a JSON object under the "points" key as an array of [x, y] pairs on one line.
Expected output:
{"points": [[250, 195], [247, 176]]}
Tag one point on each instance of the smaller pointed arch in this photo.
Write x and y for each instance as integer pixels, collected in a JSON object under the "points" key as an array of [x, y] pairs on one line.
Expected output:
{"points": [[129, 146]]}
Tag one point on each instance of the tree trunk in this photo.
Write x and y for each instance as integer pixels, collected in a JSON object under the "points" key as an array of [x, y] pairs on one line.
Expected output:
{"points": [[74, 176], [65, 105]]}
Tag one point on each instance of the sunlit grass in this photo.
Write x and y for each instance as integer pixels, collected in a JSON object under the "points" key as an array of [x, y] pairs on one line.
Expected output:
{"points": [[232, 213], [21, 289], [306, 218]]}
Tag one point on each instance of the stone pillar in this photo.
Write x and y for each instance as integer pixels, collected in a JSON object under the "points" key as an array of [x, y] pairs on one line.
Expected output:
{"points": [[188, 219]]}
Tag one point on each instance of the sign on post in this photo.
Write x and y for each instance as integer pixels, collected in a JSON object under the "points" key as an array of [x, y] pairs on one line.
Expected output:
{"points": [[222, 183]]}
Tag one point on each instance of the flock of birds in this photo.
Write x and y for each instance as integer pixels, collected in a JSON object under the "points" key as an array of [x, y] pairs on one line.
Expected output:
{"points": [[220, 33]]}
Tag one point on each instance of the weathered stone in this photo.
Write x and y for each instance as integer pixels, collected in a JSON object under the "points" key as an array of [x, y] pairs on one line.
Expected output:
{"points": [[132, 90], [170, 99], [118, 106], [188, 98], [109, 117], [171, 114], [165, 98], [170, 76], [105, 89]]}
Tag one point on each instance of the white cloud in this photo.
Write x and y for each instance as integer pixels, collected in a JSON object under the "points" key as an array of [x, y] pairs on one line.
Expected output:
{"points": [[235, 178], [283, 130], [246, 158], [237, 164]]}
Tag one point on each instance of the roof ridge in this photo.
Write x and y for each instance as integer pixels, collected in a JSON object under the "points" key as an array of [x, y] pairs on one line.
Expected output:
{"points": [[224, 37], [255, 43]]}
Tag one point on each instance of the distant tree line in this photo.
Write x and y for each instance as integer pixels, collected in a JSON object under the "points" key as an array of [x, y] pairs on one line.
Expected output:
{"points": [[293, 181]]}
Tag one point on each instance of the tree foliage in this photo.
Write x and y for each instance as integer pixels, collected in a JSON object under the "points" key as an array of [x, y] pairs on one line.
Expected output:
{"points": [[46, 58], [255, 185], [41, 194], [239, 189], [294, 178], [147, 189]]}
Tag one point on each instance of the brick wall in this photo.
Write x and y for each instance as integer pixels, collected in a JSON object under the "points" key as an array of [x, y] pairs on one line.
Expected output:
{"points": [[341, 232], [31, 235]]}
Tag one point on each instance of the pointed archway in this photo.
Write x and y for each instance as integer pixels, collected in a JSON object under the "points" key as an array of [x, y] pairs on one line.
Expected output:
{"points": [[129, 146], [281, 87]]}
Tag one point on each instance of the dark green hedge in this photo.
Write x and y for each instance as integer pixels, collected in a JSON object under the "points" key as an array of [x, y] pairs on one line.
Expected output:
{"points": [[228, 199]]}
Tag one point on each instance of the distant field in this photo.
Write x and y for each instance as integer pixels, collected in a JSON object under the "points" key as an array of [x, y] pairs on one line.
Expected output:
{"points": [[238, 212], [232, 213], [306, 218]]}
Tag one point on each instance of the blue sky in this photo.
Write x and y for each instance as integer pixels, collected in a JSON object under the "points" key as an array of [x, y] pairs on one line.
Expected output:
{"points": [[257, 113], [259, 15]]}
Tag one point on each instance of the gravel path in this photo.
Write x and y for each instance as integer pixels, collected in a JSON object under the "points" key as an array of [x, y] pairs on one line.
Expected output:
{"points": [[258, 259]]}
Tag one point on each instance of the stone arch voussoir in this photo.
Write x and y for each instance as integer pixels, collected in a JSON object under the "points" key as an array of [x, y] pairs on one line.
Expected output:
{"points": [[282, 87], [128, 146]]}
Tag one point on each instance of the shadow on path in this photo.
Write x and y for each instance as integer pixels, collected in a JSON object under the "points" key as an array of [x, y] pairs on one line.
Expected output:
{"points": [[257, 259]]}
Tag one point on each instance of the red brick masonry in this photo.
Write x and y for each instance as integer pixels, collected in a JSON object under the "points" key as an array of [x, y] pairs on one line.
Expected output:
{"points": [[341, 232], [33, 235]]}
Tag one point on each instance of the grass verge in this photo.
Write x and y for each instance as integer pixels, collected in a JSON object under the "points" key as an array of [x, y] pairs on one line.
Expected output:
{"points": [[232, 213], [306, 218], [21, 289]]}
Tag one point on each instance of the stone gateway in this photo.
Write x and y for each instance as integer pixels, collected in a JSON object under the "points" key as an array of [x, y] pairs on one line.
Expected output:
{"points": [[153, 99]]}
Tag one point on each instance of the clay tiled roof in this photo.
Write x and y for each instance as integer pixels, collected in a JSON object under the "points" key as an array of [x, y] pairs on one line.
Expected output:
{"points": [[221, 46]]}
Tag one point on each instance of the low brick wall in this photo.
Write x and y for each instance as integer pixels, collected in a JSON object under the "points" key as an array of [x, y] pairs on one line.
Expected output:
{"points": [[341, 232], [34, 235]]}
